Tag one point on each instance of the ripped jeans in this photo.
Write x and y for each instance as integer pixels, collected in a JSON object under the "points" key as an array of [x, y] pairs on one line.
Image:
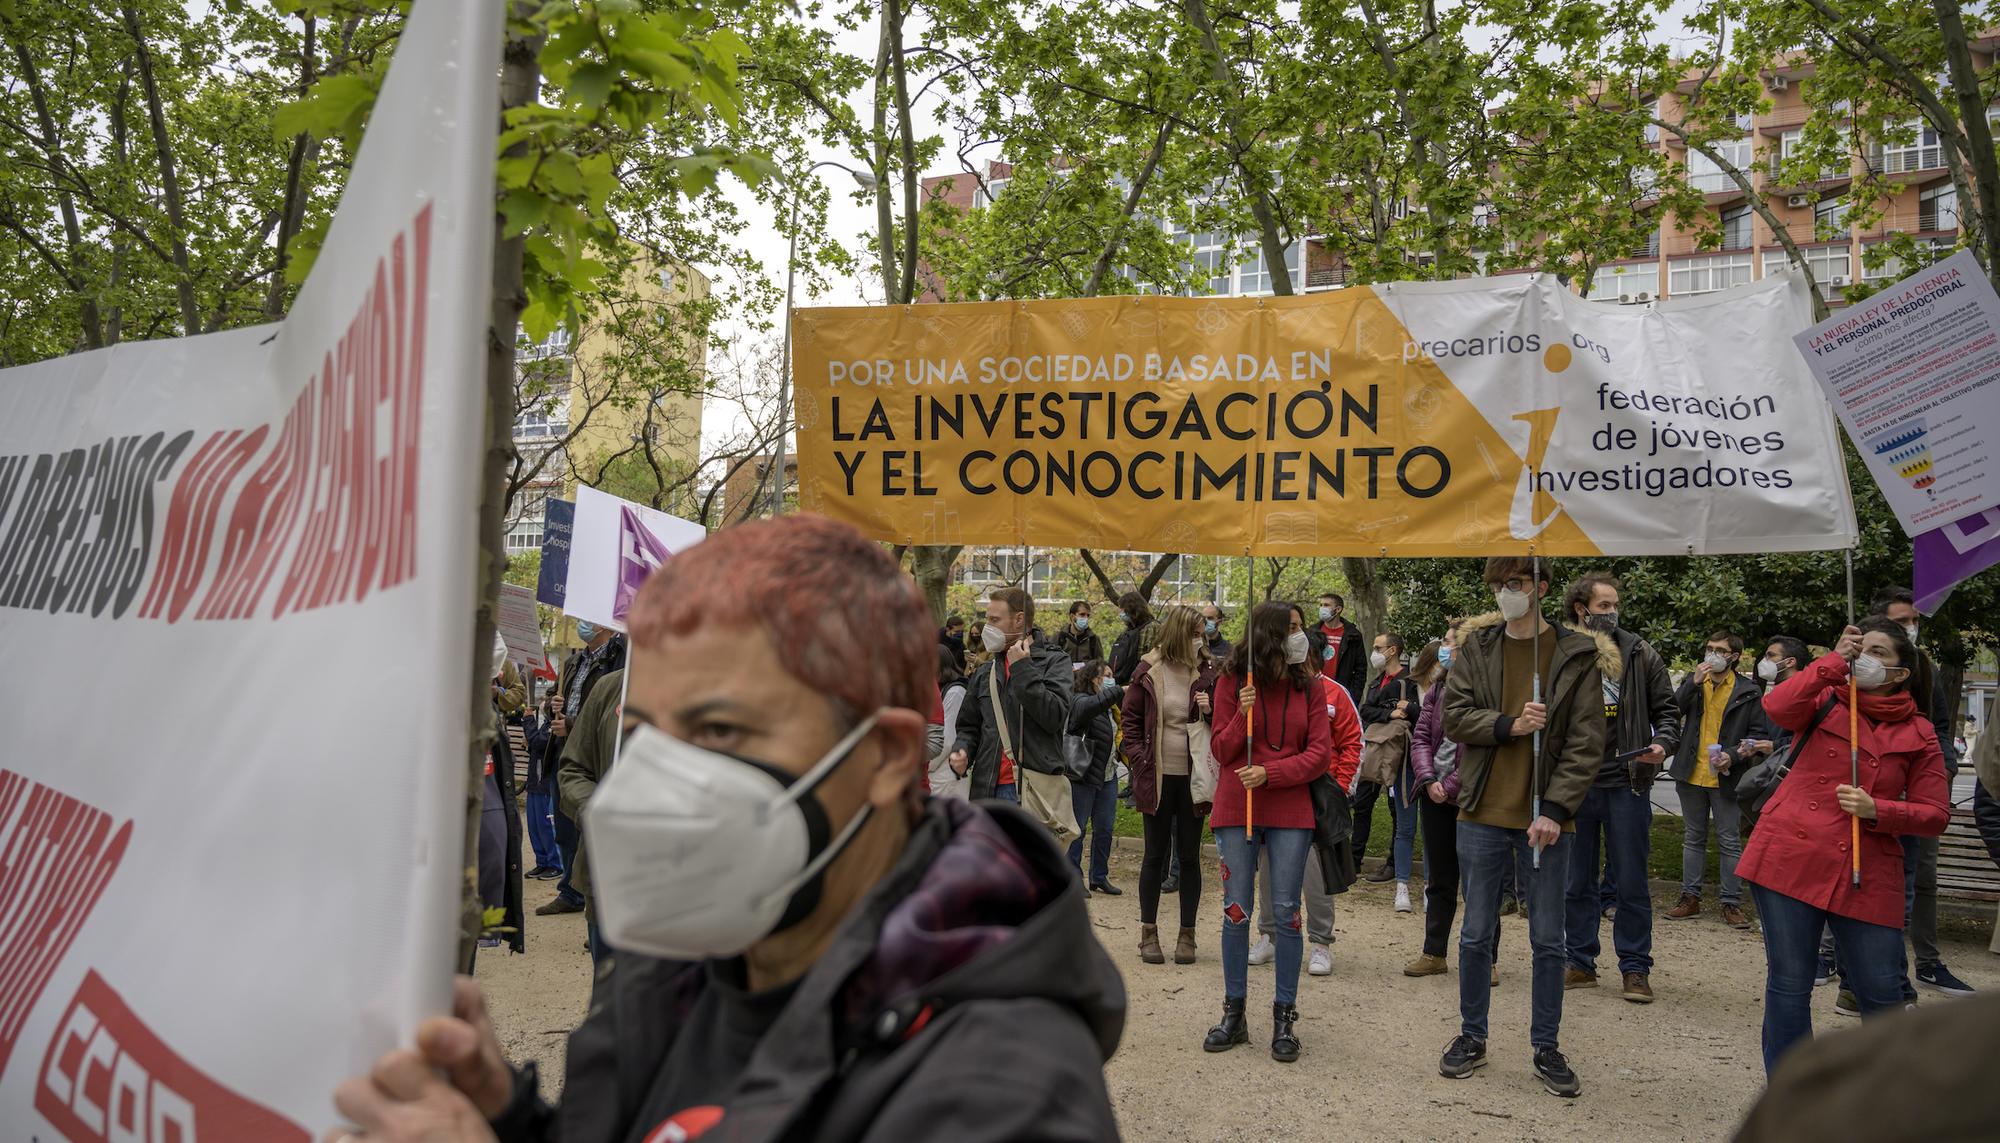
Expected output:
{"points": [[1287, 850]]}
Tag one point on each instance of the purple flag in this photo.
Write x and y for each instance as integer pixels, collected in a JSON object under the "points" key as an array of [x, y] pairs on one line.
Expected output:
{"points": [[639, 552], [1948, 556]]}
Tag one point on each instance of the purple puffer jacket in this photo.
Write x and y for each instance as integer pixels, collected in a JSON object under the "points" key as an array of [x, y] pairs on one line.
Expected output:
{"points": [[1426, 739]]}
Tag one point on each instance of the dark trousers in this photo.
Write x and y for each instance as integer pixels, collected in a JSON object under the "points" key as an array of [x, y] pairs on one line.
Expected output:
{"points": [[1363, 804], [568, 840], [1174, 824], [542, 828], [1624, 822], [1096, 808], [1440, 826]]}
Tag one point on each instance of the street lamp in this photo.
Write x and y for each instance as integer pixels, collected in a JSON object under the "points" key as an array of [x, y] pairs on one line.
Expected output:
{"points": [[865, 181]]}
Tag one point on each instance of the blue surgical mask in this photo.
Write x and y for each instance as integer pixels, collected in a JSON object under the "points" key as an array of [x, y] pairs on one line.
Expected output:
{"points": [[586, 630], [1083, 623], [1444, 656], [1209, 626], [1325, 614]]}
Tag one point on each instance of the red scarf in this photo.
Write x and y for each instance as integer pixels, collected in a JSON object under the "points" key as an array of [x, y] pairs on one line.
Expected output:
{"points": [[1897, 707]]}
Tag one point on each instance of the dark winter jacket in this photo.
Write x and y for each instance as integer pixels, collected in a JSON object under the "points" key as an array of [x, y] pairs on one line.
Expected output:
{"points": [[1641, 696], [1035, 694], [1081, 647], [1349, 663], [1378, 701], [1573, 744], [1094, 716], [612, 659], [586, 759], [1743, 717], [964, 998], [1138, 639]]}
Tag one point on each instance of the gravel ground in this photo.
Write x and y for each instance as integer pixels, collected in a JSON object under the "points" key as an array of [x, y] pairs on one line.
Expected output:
{"points": [[1683, 1068]]}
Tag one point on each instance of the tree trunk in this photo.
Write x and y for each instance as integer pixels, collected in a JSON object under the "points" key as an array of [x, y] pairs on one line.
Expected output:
{"points": [[1117, 240], [520, 76], [1978, 134], [933, 563], [305, 151], [93, 329], [1367, 599], [1254, 183], [170, 182]]}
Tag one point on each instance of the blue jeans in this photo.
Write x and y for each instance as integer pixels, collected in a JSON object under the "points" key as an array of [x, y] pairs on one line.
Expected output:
{"points": [[1870, 966], [1008, 793], [1626, 823], [1287, 849], [1698, 804], [1096, 810], [542, 830], [1402, 848], [1486, 855]]}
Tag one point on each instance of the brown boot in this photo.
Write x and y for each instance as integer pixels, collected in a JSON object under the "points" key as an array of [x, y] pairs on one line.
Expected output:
{"points": [[1734, 918], [1425, 965], [1149, 945], [1690, 906], [1637, 990], [1577, 978], [1184, 947]]}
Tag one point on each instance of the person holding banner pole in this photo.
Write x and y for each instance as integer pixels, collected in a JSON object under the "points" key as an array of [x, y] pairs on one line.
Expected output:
{"points": [[1866, 766], [1516, 801], [1264, 693], [807, 945]]}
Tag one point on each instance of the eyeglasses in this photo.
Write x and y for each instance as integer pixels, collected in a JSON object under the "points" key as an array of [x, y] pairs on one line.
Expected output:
{"points": [[1518, 583]]}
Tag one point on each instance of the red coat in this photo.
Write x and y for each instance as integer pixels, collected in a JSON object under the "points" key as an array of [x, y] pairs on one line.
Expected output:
{"points": [[1294, 719], [1800, 845]]}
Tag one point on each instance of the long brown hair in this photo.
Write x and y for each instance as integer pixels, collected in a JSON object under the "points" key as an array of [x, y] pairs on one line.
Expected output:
{"points": [[1427, 669], [1180, 637], [1267, 627]]}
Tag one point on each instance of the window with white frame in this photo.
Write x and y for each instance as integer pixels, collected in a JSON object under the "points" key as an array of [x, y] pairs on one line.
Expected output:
{"points": [[1624, 283], [1791, 143], [1709, 177], [1830, 218], [985, 194], [554, 345], [1920, 152], [1830, 265], [1207, 256], [544, 419], [1254, 275], [524, 527], [1736, 228], [1687, 276], [1893, 268], [1937, 207]]}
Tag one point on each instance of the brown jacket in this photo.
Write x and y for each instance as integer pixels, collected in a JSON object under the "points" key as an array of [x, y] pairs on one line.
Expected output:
{"points": [[1573, 744]]}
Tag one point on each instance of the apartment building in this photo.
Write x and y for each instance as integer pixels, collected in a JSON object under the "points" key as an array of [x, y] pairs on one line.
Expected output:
{"points": [[1815, 212]]}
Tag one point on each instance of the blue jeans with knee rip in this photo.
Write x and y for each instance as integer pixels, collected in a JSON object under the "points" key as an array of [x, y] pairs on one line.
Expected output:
{"points": [[1286, 849]]}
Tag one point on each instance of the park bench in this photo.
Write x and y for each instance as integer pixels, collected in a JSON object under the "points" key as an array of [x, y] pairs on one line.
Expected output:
{"points": [[1965, 869]]}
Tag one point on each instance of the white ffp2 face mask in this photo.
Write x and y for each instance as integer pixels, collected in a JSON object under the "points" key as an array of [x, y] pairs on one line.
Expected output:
{"points": [[1716, 662], [1869, 672], [1377, 660], [1767, 670], [1297, 644], [1513, 604], [696, 854], [994, 639]]}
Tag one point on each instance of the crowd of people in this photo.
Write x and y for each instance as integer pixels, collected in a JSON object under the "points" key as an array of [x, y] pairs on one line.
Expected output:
{"points": [[821, 889]]}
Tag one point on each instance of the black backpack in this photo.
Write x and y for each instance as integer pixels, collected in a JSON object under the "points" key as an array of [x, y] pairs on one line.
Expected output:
{"points": [[1758, 783]]}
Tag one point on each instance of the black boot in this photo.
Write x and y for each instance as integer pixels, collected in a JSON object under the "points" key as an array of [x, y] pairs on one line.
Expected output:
{"points": [[1284, 1042], [1231, 1032]]}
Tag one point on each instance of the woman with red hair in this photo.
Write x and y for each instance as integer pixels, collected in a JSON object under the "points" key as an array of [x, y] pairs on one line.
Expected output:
{"points": [[805, 944]]}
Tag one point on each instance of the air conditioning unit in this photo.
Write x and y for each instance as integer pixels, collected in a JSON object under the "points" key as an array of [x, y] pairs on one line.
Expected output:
{"points": [[1797, 201], [1643, 297], [1624, 299], [1780, 83], [1839, 279]]}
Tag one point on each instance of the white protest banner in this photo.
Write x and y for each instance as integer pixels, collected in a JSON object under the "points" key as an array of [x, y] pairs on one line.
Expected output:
{"points": [[236, 587], [521, 628], [1912, 371], [1420, 419], [613, 546]]}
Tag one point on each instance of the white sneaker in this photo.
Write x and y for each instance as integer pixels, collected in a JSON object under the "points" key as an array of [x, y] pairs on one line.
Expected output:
{"points": [[1263, 952], [1322, 961], [1402, 896]]}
